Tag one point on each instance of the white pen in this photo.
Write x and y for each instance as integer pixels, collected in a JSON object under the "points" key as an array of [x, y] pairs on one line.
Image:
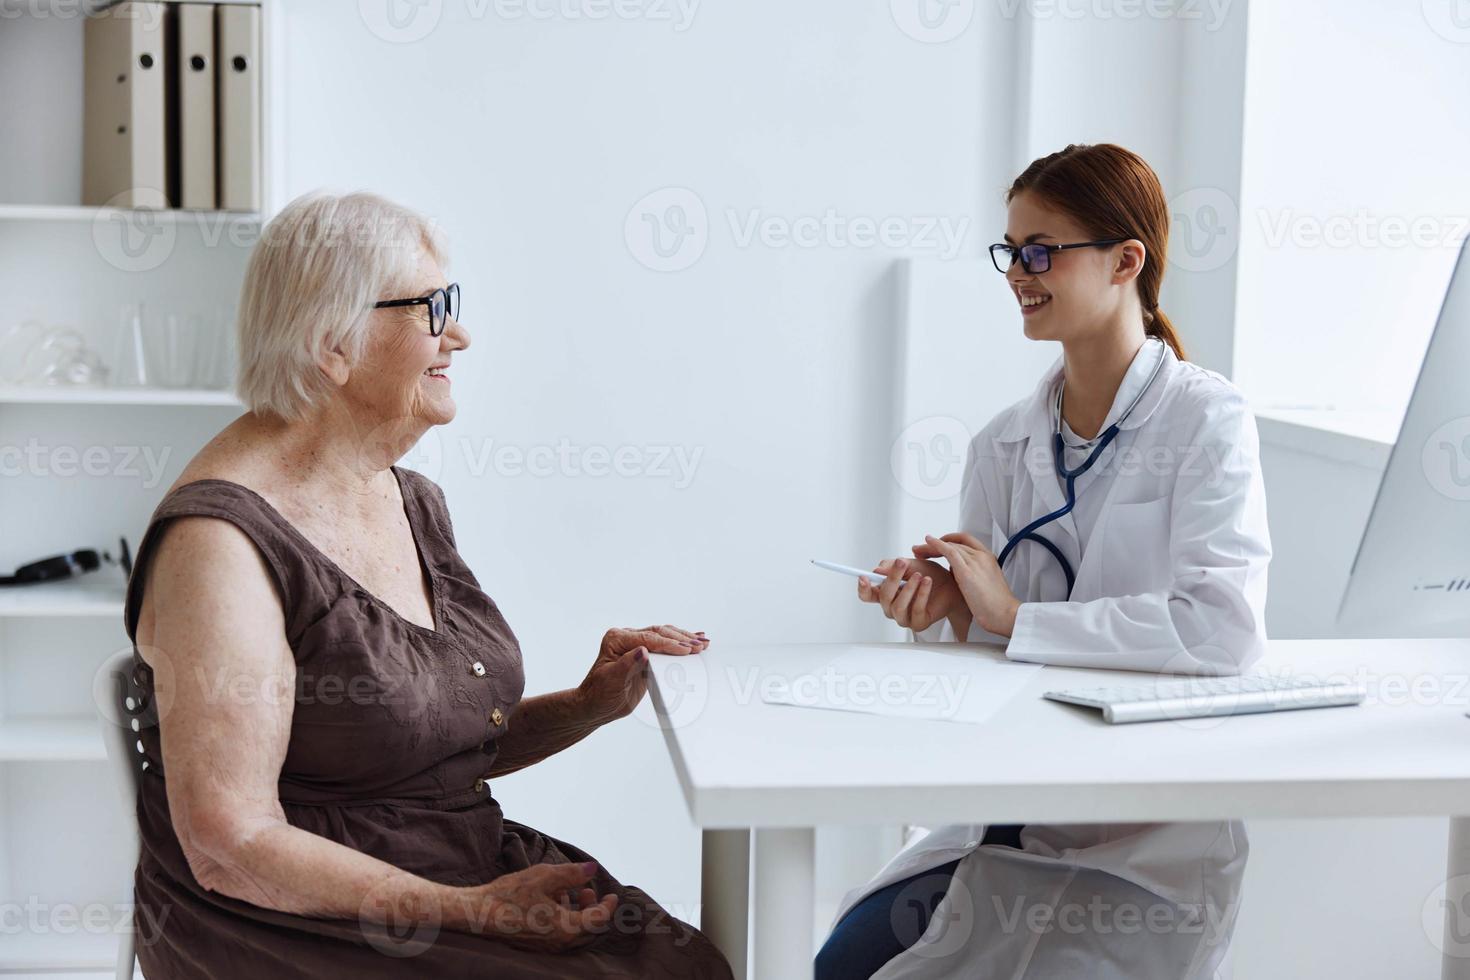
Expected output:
{"points": [[876, 578]]}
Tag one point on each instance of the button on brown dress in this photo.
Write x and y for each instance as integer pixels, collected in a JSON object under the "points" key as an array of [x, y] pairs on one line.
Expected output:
{"points": [[392, 740]]}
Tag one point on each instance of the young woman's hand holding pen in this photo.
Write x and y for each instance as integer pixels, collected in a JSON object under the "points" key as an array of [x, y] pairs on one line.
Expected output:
{"points": [[914, 594], [917, 593]]}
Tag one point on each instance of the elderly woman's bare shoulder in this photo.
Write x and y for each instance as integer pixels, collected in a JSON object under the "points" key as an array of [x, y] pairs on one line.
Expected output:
{"points": [[202, 562], [206, 581]]}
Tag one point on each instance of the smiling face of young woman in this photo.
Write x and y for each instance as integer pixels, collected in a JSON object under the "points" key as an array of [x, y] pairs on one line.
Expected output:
{"points": [[1084, 288]]}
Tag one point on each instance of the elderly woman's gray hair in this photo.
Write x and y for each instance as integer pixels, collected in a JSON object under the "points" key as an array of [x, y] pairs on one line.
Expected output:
{"points": [[310, 287]]}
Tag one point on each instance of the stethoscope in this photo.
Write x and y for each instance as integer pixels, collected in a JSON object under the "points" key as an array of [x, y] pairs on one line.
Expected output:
{"points": [[1028, 533]]}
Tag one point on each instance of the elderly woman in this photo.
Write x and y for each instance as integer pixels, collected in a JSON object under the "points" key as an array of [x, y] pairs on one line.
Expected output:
{"points": [[322, 690]]}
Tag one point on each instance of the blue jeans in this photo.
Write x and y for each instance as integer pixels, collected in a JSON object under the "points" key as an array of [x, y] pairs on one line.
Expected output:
{"points": [[893, 918], [883, 925]]}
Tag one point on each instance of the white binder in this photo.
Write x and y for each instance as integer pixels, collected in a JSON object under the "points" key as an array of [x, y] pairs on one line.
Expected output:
{"points": [[195, 70], [124, 160], [237, 33]]}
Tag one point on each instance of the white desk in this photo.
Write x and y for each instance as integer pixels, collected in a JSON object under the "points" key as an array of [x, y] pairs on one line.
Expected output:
{"points": [[782, 771]]}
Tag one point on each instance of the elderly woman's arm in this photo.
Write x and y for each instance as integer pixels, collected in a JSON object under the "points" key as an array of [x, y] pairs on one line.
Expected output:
{"points": [[225, 685], [543, 726]]}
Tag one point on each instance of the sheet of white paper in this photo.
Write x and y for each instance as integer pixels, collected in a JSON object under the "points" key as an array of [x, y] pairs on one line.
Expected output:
{"points": [[913, 683]]}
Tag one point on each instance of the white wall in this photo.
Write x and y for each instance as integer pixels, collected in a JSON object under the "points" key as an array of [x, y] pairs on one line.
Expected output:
{"points": [[531, 141], [1354, 196]]}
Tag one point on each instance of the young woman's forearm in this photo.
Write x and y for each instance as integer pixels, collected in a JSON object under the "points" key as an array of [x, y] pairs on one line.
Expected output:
{"points": [[541, 727], [960, 621]]}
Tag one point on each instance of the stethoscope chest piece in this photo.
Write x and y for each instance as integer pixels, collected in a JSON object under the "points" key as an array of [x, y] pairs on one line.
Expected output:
{"points": [[1068, 477]]}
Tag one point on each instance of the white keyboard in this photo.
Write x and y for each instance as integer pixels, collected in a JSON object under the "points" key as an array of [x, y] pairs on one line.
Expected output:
{"points": [[1202, 697]]}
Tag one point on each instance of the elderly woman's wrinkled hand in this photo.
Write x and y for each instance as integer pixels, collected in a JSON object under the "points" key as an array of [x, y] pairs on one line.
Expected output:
{"points": [[619, 677], [546, 907]]}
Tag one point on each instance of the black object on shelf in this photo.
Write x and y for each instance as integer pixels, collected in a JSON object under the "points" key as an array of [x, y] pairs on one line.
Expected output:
{"points": [[69, 565]]}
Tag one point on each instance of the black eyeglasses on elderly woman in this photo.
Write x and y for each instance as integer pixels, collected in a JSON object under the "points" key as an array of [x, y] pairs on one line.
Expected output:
{"points": [[442, 303]]}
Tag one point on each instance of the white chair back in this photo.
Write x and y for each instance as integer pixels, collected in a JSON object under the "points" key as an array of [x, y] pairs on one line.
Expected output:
{"points": [[119, 734]]}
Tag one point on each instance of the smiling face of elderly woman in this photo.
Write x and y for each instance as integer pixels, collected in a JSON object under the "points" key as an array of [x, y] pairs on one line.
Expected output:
{"points": [[402, 371], [313, 335]]}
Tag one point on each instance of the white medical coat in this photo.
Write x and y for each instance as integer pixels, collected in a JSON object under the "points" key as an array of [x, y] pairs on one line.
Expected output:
{"points": [[1172, 578]]}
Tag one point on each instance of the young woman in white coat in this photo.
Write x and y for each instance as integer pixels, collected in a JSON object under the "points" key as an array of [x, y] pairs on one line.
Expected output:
{"points": [[1159, 565]]}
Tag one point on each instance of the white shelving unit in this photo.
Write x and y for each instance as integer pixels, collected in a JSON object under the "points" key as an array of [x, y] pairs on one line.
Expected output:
{"points": [[64, 739], [81, 955], [59, 395], [62, 600], [80, 466], [79, 213]]}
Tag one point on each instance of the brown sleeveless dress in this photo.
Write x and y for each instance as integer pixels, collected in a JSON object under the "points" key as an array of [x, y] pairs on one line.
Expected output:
{"points": [[392, 738]]}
